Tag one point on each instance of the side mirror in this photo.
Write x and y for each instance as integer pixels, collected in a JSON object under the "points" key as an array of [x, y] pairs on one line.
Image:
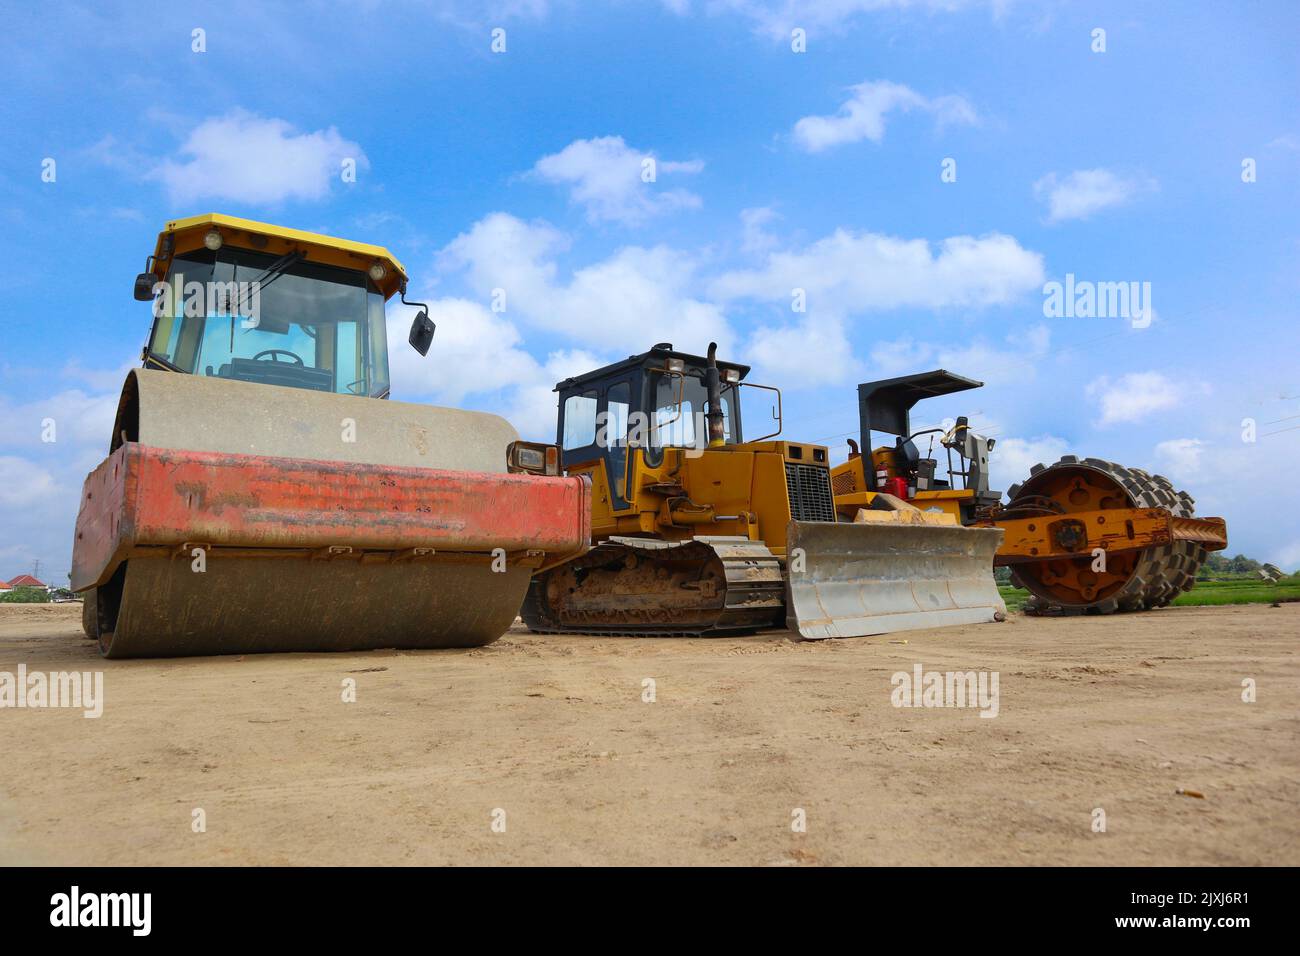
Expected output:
{"points": [[144, 284], [422, 329]]}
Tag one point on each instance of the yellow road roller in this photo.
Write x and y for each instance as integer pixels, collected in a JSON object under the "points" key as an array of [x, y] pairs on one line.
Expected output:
{"points": [[261, 493]]}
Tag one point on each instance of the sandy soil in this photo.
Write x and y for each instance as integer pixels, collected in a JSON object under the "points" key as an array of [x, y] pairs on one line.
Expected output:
{"points": [[1110, 713]]}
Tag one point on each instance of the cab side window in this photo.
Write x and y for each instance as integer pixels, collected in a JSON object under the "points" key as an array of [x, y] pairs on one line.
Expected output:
{"points": [[580, 421], [618, 403]]}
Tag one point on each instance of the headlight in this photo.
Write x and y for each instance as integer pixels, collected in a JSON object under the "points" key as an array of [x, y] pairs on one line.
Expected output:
{"points": [[377, 272], [533, 458], [676, 365], [212, 239], [730, 375]]}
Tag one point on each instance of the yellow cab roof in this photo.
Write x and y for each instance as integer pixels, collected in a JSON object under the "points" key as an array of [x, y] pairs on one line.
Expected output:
{"points": [[185, 235]]}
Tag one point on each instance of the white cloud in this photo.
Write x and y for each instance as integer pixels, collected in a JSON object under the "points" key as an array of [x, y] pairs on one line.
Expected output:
{"points": [[479, 354], [47, 446], [100, 380], [242, 157], [1287, 557], [1013, 457], [475, 350], [755, 240], [23, 483], [1180, 457], [1079, 194], [900, 356], [502, 252], [848, 272], [607, 177], [862, 116], [67, 419], [1211, 467], [803, 355], [108, 151], [510, 9], [1017, 361], [1134, 396], [636, 295], [776, 18], [532, 408]]}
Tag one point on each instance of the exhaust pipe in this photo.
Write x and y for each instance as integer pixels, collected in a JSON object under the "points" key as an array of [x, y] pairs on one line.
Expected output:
{"points": [[713, 385]]}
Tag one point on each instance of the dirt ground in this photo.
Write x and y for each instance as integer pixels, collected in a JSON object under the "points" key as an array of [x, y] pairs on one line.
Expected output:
{"points": [[745, 737]]}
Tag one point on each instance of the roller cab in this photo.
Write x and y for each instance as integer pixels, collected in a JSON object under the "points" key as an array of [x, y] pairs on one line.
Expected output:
{"points": [[261, 492]]}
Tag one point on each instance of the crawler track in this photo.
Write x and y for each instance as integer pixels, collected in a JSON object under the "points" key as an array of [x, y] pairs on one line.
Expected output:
{"points": [[646, 587]]}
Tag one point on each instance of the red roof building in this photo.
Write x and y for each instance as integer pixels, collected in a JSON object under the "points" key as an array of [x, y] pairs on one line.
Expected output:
{"points": [[26, 581]]}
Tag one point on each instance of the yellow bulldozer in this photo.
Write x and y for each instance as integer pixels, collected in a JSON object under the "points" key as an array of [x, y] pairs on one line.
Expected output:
{"points": [[1081, 535], [262, 494], [698, 529]]}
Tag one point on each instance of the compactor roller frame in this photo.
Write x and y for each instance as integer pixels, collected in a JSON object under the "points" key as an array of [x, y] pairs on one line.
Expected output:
{"points": [[1134, 581]]}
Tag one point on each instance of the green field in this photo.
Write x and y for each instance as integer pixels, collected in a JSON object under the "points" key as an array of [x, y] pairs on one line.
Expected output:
{"points": [[1243, 591], [1205, 594], [1014, 597]]}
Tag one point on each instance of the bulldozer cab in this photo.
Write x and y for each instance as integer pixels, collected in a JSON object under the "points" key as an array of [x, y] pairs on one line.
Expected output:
{"points": [[253, 302], [651, 401]]}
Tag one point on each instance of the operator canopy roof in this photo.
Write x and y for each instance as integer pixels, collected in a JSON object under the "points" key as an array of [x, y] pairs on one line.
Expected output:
{"points": [[185, 235], [657, 356]]}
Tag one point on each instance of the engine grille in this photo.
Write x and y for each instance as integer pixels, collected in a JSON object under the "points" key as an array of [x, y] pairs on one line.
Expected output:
{"points": [[810, 492]]}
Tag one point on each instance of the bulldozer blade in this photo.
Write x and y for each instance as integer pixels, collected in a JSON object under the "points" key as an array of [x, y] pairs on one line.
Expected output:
{"points": [[853, 580]]}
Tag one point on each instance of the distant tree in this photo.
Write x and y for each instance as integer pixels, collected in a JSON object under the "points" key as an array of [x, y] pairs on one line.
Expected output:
{"points": [[25, 596], [1215, 566], [1243, 565]]}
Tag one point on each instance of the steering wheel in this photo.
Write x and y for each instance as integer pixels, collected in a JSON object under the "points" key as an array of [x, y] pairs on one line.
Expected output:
{"points": [[297, 359]]}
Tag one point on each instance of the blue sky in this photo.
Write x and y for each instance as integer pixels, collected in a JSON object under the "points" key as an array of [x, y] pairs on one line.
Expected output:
{"points": [[775, 170]]}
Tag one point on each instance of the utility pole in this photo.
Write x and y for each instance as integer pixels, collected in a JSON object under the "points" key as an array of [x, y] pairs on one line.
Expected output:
{"points": [[36, 569]]}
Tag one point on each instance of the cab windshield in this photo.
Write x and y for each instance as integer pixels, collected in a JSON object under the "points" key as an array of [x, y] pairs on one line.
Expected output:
{"points": [[300, 324], [684, 427]]}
